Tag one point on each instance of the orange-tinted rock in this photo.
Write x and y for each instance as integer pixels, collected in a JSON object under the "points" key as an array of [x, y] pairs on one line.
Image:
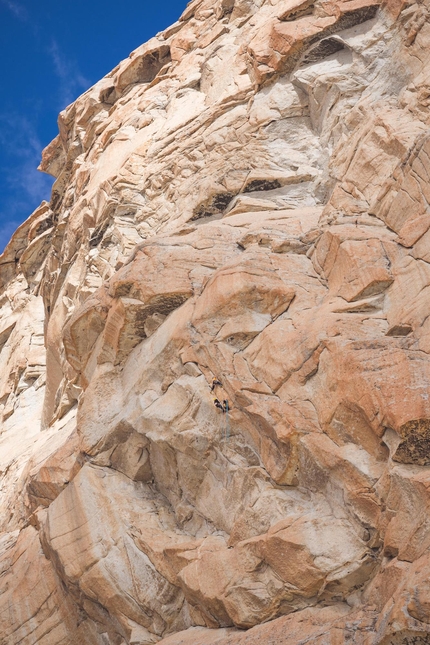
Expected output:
{"points": [[214, 342]]}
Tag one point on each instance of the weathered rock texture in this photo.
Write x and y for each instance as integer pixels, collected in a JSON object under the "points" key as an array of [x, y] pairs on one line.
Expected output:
{"points": [[245, 198]]}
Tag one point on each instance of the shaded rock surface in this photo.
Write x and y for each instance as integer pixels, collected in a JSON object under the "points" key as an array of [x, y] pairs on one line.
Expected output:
{"points": [[246, 199]]}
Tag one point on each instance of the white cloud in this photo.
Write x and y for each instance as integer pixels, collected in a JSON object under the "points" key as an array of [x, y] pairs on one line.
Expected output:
{"points": [[17, 9], [72, 81], [25, 186]]}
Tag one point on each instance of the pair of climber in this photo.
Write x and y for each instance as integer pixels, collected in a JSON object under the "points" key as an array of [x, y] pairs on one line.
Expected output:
{"points": [[221, 406], [217, 403]]}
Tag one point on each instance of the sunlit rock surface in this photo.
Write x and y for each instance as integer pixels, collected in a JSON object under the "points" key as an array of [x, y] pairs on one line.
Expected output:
{"points": [[246, 199]]}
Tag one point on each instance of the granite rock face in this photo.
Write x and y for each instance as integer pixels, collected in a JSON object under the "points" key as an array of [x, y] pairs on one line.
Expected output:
{"points": [[245, 199]]}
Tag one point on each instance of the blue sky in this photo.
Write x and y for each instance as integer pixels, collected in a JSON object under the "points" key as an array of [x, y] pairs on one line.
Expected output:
{"points": [[50, 52]]}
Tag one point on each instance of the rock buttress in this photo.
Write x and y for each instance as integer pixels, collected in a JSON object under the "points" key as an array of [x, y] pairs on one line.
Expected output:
{"points": [[245, 199]]}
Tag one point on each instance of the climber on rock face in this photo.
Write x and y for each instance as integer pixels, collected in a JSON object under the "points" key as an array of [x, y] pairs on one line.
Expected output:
{"points": [[218, 404], [215, 382], [225, 405]]}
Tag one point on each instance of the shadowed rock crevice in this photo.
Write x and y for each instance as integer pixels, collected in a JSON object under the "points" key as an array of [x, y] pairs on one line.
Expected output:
{"points": [[215, 206], [144, 67], [322, 50], [261, 184]]}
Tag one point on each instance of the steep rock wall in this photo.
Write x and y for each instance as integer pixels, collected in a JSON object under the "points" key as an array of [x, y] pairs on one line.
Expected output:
{"points": [[246, 199]]}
